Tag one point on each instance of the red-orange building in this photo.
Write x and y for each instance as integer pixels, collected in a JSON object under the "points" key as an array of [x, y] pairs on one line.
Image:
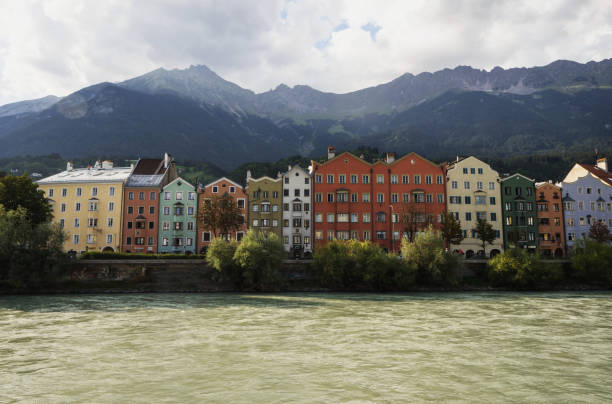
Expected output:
{"points": [[141, 204], [551, 231], [218, 188], [381, 201]]}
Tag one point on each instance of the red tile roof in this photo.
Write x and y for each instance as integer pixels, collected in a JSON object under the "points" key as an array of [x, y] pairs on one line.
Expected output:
{"points": [[598, 172], [149, 167]]}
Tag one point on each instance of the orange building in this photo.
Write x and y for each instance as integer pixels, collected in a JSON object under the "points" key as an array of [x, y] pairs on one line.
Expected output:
{"points": [[549, 209], [141, 204], [219, 188], [380, 201]]}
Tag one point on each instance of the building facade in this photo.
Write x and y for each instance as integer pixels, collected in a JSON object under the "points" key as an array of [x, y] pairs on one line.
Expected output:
{"points": [[87, 203], [473, 192], [177, 218], [380, 201], [216, 189], [519, 214], [297, 213], [265, 204], [551, 229], [587, 197], [141, 204]]}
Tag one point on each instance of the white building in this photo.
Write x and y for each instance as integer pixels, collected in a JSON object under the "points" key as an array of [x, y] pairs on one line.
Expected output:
{"points": [[297, 211]]}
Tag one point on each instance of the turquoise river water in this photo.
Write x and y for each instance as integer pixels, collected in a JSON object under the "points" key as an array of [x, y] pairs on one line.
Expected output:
{"points": [[325, 348]]}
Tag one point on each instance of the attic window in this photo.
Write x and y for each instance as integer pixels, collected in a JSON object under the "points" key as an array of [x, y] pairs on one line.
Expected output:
{"points": [[179, 183], [345, 161], [297, 174]]}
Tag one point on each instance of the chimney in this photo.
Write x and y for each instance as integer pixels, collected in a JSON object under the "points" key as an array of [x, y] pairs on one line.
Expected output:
{"points": [[69, 166], [289, 169], [98, 165], [603, 163], [166, 160], [390, 158], [248, 176], [331, 152], [107, 164]]}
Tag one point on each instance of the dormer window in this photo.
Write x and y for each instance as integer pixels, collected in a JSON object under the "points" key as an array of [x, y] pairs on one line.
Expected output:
{"points": [[215, 189]]}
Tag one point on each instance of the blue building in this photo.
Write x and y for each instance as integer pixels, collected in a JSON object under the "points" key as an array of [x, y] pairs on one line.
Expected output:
{"points": [[587, 198]]}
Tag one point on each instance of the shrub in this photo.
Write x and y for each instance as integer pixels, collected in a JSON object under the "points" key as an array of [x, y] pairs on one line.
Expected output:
{"points": [[593, 261], [516, 267], [220, 255], [260, 256], [427, 257], [99, 255], [331, 263]]}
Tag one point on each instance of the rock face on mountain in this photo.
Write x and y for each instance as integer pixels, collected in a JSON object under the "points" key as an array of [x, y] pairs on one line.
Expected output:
{"points": [[195, 114]]}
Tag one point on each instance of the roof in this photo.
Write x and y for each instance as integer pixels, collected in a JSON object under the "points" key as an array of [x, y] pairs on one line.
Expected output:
{"points": [[396, 161], [223, 179], [117, 174], [144, 180], [178, 179], [149, 167], [519, 175], [605, 176]]}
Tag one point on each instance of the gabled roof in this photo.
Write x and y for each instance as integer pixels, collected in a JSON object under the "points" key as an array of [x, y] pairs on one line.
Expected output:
{"points": [[223, 179], [517, 174], [149, 167], [178, 179], [264, 178], [605, 176], [411, 154]]}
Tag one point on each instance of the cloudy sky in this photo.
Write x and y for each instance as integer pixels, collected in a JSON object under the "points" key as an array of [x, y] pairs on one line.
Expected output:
{"points": [[58, 46]]}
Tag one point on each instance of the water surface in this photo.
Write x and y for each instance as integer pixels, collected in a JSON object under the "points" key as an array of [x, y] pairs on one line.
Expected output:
{"points": [[194, 348]]}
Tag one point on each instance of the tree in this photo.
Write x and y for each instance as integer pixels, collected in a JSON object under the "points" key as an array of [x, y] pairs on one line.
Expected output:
{"points": [[20, 191], [486, 233], [260, 256], [599, 232], [412, 217], [450, 229], [220, 215]]}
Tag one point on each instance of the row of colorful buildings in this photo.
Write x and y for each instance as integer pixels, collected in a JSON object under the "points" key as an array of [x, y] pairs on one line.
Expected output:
{"points": [[148, 208]]}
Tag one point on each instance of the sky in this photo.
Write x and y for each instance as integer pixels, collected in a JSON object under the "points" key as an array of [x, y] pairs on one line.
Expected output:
{"points": [[59, 46]]}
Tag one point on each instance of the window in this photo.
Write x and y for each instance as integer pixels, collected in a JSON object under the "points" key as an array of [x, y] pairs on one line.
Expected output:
{"points": [[330, 178], [64, 192], [366, 235], [381, 235], [354, 198], [468, 216], [63, 207], [255, 208], [330, 197], [215, 189], [493, 216], [330, 218], [405, 179], [465, 170], [380, 197], [429, 198], [151, 210], [466, 184], [394, 179], [130, 210], [94, 191], [365, 179], [394, 198], [91, 239], [491, 185], [109, 222], [342, 217], [77, 207], [480, 171], [167, 196], [381, 217], [530, 221], [354, 217], [508, 206], [152, 196], [61, 223], [178, 211], [406, 198], [439, 180], [178, 225], [275, 194], [179, 196], [342, 197], [240, 203], [141, 210], [318, 197], [141, 196], [190, 210], [455, 199], [75, 239], [191, 195], [109, 239], [491, 200], [286, 180], [318, 178], [366, 218], [111, 206], [165, 241], [341, 179], [353, 179], [79, 191], [419, 197], [166, 210], [151, 225], [508, 220], [318, 217], [468, 200], [76, 222], [296, 192], [479, 185], [440, 198], [285, 192], [330, 235], [380, 179], [297, 207], [285, 222], [93, 206], [140, 225], [417, 179], [454, 184], [472, 170], [365, 197], [50, 192], [318, 235], [139, 240], [428, 179], [480, 200]]}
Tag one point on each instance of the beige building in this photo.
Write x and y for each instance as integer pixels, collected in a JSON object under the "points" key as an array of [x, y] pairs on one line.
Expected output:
{"points": [[472, 192], [87, 203], [265, 204]]}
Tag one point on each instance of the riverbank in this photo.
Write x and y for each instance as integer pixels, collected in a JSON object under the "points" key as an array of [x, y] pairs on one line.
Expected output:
{"points": [[195, 276]]}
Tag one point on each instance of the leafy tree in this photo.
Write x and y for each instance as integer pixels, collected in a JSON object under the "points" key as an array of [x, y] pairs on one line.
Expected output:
{"points": [[450, 229], [516, 267], [260, 256], [593, 260], [427, 257], [220, 255], [30, 254], [21, 192], [486, 233], [599, 232], [220, 215]]}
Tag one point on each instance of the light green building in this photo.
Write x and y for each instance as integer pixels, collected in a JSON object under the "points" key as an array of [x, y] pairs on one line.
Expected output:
{"points": [[177, 218]]}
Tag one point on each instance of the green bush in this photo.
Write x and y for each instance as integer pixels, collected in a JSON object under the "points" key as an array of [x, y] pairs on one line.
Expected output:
{"points": [[220, 255], [260, 256], [519, 268], [99, 255], [593, 262], [360, 265], [427, 257]]}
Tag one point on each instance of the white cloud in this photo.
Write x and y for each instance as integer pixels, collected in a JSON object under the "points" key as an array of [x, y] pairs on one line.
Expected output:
{"points": [[59, 46]]}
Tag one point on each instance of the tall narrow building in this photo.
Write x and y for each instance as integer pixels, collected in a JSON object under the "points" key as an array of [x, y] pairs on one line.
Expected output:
{"points": [[473, 192], [87, 203], [265, 204], [519, 214], [141, 203], [551, 229], [297, 213], [177, 218]]}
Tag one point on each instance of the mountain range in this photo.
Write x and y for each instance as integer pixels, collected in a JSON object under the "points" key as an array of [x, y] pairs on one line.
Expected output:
{"points": [[195, 114]]}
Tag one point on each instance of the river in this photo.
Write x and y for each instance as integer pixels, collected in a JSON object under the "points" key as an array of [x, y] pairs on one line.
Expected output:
{"points": [[327, 348]]}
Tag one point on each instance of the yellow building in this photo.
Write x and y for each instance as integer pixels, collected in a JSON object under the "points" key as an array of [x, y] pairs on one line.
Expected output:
{"points": [[472, 192], [87, 203]]}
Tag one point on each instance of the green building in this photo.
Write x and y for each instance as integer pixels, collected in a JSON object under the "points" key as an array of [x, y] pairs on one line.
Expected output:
{"points": [[265, 204], [177, 218], [519, 212]]}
